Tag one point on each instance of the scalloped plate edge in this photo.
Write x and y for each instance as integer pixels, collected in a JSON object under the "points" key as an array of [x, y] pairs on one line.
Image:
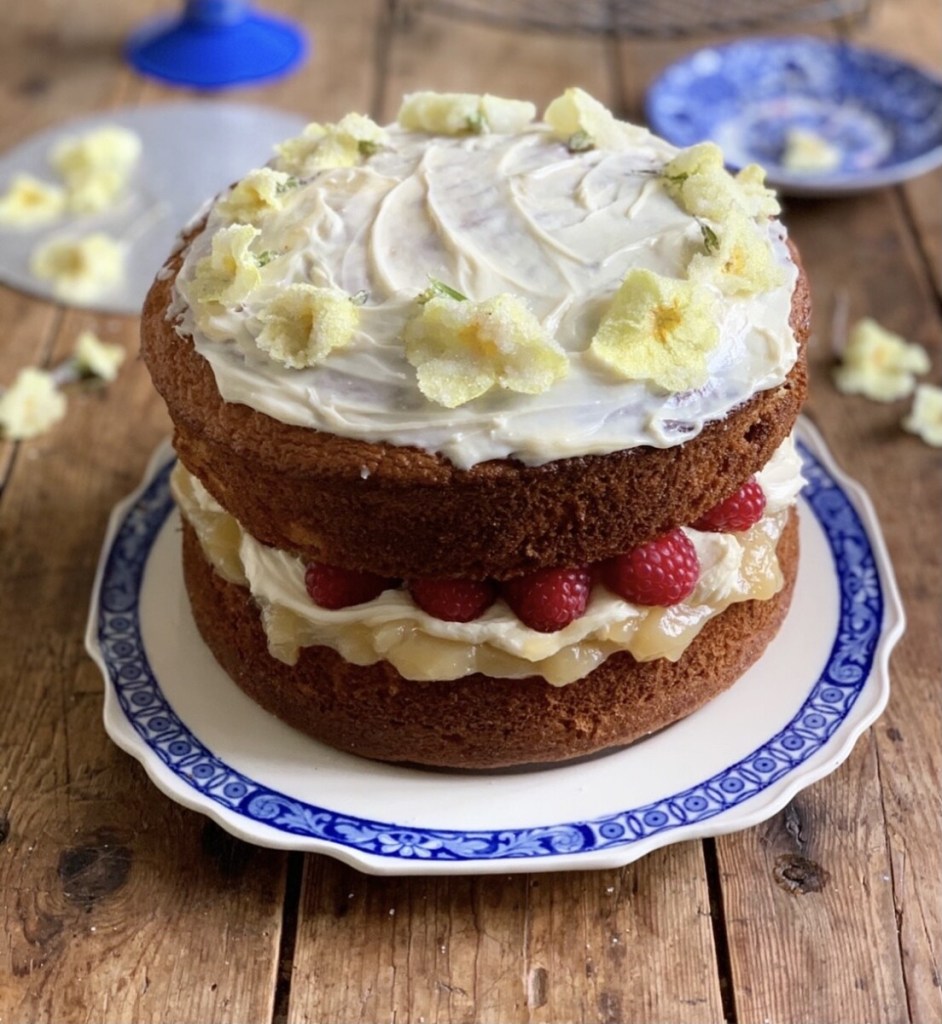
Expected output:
{"points": [[869, 705]]}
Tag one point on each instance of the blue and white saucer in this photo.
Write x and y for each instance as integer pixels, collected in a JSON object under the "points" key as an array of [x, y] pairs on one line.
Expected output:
{"points": [[792, 719], [880, 116]]}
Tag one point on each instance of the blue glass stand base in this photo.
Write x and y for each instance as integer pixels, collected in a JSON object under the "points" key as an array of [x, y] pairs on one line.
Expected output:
{"points": [[215, 46]]}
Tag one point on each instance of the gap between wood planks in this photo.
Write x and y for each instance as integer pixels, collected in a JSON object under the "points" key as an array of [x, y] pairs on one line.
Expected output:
{"points": [[724, 966]]}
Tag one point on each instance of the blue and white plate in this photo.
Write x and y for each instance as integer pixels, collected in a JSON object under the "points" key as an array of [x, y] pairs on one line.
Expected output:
{"points": [[881, 116], [789, 721]]}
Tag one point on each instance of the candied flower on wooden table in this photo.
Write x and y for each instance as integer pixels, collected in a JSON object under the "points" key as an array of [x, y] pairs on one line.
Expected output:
{"points": [[31, 405], [925, 418], [879, 364]]}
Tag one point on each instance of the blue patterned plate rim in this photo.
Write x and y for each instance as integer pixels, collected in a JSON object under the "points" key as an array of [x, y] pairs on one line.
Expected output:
{"points": [[813, 743], [882, 113]]}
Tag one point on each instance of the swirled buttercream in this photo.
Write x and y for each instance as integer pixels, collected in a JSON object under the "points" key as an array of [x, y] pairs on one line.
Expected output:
{"points": [[487, 214]]}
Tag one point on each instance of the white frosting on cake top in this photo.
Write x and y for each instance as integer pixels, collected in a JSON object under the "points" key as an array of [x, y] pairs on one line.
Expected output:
{"points": [[485, 214]]}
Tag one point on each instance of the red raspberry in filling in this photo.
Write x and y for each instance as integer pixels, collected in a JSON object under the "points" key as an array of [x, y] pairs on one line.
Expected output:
{"points": [[662, 572], [453, 600], [738, 512], [329, 586], [549, 599]]}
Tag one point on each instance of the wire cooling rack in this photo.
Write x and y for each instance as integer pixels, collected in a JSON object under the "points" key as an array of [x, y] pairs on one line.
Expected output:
{"points": [[649, 18]]}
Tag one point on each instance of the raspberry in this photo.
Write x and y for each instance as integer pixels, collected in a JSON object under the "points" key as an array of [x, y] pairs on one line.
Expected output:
{"points": [[662, 572], [738, 512], [549, 599], [329, 586], [453, 600]]}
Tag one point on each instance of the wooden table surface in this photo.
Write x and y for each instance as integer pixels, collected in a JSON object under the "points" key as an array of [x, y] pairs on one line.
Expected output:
{"points": [[117, 905]]}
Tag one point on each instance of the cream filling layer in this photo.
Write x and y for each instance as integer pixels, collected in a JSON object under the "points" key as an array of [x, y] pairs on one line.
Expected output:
{"points": [[734, 567], [485, 214]]}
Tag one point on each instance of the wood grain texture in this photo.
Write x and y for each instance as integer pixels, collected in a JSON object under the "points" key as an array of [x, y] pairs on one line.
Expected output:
{"points": [[117, 905]]}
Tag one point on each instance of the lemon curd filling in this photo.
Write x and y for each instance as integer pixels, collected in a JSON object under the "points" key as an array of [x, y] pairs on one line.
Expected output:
{"points": [[734, 567]]}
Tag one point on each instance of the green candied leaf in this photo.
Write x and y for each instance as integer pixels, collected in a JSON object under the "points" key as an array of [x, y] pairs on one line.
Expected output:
{"points": [[710, 241], [437, 287], [475, 123], [359, 298], [580, 142]]}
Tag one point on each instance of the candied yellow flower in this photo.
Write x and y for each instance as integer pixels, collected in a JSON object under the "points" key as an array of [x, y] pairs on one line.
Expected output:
{"points": [[754, 197], [304, 324], [701, 160], [96, 166], [31, 405], [658, 329], [255, 195], [80, 269], [30, 202], [807, 152], [462, 349], [461, 113], [323, 146], [742, 263], [925, 418], [879, 364], [231, 270], [96, 357], [582, 122], [701, 185]]}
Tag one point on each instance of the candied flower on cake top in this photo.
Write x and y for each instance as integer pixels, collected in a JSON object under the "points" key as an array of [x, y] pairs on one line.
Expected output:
{"points": [[738, 260], [698, 181], [303, 324], [260, 192], [463, 113], [230, 272], [462, 349], [323, 146], [582, 122], [658, 329]]}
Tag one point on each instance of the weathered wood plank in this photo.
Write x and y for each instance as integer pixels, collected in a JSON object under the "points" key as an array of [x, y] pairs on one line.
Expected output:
{"points": [[103, 881], [851, 923], [808, 900], [913, 32], [860, 255], [633, 945]]}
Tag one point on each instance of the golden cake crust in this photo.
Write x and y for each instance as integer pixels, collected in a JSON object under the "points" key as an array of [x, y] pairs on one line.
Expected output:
{"points": [[324, 496], [478, 722]]}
